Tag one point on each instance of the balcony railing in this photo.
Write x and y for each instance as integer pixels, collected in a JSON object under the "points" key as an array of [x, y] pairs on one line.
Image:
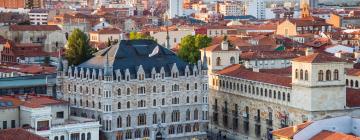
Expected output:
{"points": [[43, 128]]}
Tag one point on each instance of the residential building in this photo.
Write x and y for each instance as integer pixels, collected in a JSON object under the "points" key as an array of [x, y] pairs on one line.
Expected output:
{"points": [[42, 84], [47, 117], [268, 59], [342, 127], [38, 16], [345, 21], [15, 4], [230, 9], [294, 27], [255, 8], [139, 89], [271, 101], [99, 39], [49, 36], [175, 35], [176, 8]]}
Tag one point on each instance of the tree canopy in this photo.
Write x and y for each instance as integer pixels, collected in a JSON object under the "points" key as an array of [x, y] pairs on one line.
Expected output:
{"points": [[190, 47], [137, 36], [78, 49]]}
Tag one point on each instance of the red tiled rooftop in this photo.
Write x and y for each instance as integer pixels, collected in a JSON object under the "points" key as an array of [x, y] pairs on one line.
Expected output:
{"points": [[268, 55], [108, 31], [289, 132], [329, 135], [353, 72], [32, 101], [34, 28], [318, 58], [18, 134], [239, 71]]}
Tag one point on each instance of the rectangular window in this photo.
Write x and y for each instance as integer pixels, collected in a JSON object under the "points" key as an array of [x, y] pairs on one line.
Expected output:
{"points": [[60, 114], [4, 124], [13, 125]]}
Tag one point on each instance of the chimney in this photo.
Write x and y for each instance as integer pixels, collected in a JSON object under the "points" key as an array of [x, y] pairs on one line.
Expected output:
{"points": [[295, 128], [309, 51], [225, 45]]}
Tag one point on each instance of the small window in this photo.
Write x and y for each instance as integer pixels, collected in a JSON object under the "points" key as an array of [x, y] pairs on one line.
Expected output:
{"points": [[60, 114]]}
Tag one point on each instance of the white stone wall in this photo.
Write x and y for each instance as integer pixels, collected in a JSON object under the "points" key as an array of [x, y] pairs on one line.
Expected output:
{"points": [[9, 114]]}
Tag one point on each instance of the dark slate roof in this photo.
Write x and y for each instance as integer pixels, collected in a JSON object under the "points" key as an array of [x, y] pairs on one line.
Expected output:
{"points": [[130, 54]]}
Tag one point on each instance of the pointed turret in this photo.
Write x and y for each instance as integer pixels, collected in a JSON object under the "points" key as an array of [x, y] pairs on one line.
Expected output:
{"points": [[107, 71], [204, 64]]}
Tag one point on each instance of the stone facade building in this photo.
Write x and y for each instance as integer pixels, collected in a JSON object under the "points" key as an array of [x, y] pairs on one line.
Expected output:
{"points": [[138, 90], [249, 105]]}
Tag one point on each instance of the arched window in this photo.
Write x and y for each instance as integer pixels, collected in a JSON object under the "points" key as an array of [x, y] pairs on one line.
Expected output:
{"points": [[196, 114], [301, 75], [321, 76], [119, 92], [162, 88], [195, 99], [88, 136], [196, 127], [288, 97], [154, 89], [188, 115], [119, 105], [188, 128], [83, 136], [128, 121], [154, 102], [155, 121], [232, 60], [119, 122], [179, 129], [336, 74], [171, 129], [328, 75], [99, 105], [56, 138], [163, 117], [137, 133], [347, 82], [351, 83], [128, 134], [187, 99], [296, 74], [218, 61], [306, 75], [128, 104], [163, 101], [63, 137], [357, 83], [146, 132], [128, 91]]}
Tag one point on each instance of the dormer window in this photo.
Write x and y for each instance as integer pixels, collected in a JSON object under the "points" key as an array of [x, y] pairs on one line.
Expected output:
{"points": [[141, 76]]}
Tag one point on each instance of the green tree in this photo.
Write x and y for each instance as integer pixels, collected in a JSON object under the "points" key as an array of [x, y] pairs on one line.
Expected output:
{"points": [[190, 47], [78, 48], [137, 36]]}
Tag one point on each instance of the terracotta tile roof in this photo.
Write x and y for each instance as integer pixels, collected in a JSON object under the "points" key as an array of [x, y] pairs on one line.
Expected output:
{"points": [[34, 28], [352, 97], [15, 102], [239, 71], [18, 134], [318, 58], [32, 101], [108, 31], [329, 135], [217, 47], [282, 71], [288, 132], [307, 22], [353, 72], [265, 55]]}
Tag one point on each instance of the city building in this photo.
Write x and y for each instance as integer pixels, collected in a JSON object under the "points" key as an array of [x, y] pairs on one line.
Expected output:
{"points": [[175, 35], [312, 3], [294, 27], [139, 89], [38, 16], [101, 38], [230, 9], [271, 101], [47, 117], [176, 8], [255, 8], [352, 20], [15, 4], [343, 127]]}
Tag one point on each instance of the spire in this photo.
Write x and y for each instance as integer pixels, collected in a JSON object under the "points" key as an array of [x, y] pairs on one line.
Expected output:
{"points": [[106, 66], [204, 64], [167, 32], [60, 63]]}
